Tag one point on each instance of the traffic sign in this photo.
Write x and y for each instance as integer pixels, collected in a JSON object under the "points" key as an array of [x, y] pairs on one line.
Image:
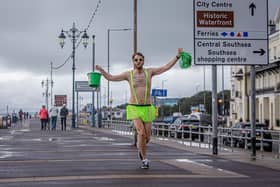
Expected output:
{"points": [[159, 92], [82, 86], [230, 32]]}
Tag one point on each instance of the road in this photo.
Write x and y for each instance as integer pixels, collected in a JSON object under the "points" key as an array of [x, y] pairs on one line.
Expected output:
{"points": [[92, 157]]}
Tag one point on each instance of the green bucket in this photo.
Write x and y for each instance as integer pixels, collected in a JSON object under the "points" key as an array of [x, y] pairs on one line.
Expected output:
{"points": [[94, 79], [186, 60]]}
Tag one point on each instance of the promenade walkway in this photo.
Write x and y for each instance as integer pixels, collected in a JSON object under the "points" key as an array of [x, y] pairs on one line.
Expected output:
{"points": [[99, 157]]}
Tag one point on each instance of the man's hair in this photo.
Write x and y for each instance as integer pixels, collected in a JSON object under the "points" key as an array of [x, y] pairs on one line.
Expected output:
{"points": [[139, 54]]}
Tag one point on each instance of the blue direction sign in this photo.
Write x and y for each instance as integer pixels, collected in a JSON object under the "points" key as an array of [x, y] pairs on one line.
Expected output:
{"points": [[159, 92]]}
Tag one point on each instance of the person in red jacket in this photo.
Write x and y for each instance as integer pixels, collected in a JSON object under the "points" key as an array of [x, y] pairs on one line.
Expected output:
{"points": [[43, 115]]}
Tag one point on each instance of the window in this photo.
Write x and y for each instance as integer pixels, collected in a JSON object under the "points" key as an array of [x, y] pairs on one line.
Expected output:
{"points": [[277, 122]]}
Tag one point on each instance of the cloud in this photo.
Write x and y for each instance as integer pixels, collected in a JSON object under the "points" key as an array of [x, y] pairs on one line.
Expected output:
{"points": [[29, 31]]}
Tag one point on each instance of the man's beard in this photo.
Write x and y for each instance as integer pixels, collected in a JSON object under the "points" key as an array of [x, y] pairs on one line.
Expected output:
{"points": [[140, 67]]}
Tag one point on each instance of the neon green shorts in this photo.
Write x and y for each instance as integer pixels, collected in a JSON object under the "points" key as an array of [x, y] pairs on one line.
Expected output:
{"points": [[147, 113]]}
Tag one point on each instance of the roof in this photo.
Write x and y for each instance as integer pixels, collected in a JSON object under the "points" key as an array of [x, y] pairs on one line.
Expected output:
{"points": [[269, 67]]}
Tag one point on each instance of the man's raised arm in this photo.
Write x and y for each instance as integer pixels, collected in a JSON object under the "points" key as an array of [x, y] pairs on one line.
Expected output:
{"points": [[170, 64], [120, 77]]}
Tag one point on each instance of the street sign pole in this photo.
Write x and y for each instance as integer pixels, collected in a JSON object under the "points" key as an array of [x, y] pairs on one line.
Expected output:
{"points": [[93, 68], [214, 110], [77, 109], [253, 110]]}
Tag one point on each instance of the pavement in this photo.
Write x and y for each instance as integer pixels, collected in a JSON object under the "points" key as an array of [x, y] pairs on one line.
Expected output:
{"points": [[101, 157], [262, 158]]}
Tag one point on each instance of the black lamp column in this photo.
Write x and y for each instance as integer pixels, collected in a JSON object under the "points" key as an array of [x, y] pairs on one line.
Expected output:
{"points": [[74, 34]]}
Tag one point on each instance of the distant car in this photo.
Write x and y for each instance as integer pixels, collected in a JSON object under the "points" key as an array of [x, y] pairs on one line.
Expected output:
{"points": [[186, 125], [241, 130], [202, 117]]}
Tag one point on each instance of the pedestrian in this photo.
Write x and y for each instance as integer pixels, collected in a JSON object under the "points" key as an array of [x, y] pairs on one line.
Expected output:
{"points": [[63, 116], [20, 114], [54, 113], [139, 108], [43, 115]]}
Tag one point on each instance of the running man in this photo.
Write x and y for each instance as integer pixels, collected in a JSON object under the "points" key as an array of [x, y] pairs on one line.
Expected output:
{"points": [[139, 108]]}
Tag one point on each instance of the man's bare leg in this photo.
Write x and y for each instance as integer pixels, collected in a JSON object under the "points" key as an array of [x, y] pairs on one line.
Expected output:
{"points": [[148, 130], [141, 137]]}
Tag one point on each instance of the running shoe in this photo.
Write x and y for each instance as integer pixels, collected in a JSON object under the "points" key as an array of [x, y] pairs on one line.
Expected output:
{"points": [[145, 164]]}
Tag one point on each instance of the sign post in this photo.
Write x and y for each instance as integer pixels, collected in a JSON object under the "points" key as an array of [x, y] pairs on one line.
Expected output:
{"points": [[82, 86], [231, 33]]}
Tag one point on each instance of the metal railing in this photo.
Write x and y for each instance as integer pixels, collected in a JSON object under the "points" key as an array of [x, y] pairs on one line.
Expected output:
{"points": [[201, 135]]}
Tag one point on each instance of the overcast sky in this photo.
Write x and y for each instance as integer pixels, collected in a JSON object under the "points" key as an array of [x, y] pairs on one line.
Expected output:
{"points": [[29, 42]]}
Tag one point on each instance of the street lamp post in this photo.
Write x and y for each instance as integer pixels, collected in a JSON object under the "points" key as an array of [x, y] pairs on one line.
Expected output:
{"points": [[46, 94], [74, 34], [108, 35], [52, 84]]}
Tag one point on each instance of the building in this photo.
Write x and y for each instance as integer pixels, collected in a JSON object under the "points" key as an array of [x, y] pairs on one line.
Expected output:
{"points": [[267, 85]]}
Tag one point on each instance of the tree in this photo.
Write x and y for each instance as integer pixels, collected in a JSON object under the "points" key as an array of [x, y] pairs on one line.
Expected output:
{"points": [[184, 104]]}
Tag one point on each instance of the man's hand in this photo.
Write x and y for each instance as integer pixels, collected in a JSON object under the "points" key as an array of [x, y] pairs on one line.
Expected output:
{"points": [[180, 50], [99, 68]]}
